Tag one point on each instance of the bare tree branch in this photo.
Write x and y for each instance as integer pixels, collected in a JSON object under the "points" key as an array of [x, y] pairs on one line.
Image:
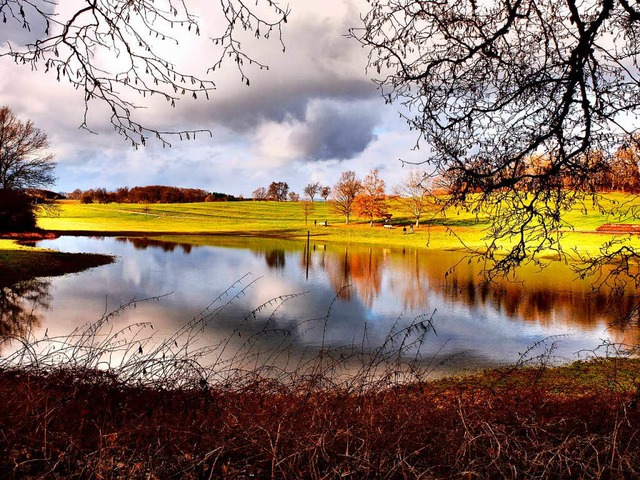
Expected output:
{"points": [[522, 102], [131, 34]]}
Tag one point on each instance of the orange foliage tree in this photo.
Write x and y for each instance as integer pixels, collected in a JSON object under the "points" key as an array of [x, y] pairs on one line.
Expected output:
{"points": [[371, 202]]}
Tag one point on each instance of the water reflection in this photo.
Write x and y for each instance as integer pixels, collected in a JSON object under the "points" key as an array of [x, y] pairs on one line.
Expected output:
{"points": [[21, 306], [544, 296], [142, 243], [355, 295], [275, 259]]}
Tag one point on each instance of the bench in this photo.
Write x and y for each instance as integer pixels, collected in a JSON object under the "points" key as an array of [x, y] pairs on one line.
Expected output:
{"points": [[389, 226]]}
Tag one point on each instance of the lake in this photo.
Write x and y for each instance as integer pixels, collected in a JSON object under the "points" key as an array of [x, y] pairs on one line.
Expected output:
{"points": [[266, 294]]}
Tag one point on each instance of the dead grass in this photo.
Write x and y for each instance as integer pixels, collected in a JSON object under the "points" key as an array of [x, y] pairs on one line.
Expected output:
{"points": [[87, 424], [108, 403]]}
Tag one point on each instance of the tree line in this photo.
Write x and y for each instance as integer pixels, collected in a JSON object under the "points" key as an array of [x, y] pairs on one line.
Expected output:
{"points": [[150, 194], [352, 196]]}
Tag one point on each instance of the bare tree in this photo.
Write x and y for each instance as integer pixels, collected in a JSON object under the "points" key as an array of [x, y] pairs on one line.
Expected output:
{"points": [[312, 189], [73, 44], [344, 193], [24, 159], [371, 201], [325, 192], [414, 193], [259, 194], [307, 209], [294, 197], [495, 83]]}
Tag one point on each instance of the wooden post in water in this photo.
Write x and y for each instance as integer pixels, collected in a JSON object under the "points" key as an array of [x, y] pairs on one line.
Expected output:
{"points": [[308, 252]]}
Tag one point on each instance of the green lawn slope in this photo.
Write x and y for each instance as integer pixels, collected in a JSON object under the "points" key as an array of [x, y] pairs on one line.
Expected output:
{"points": [[451, 229]]}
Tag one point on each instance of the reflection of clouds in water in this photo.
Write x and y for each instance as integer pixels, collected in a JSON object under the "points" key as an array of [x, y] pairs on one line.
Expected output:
{"points": [[386, 289]]}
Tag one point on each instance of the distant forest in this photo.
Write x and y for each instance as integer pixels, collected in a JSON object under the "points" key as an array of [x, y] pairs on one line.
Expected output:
{"points": [[150, 194]]}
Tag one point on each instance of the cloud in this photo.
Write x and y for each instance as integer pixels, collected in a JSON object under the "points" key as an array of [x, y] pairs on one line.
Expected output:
{"points": [[329, 130], [313, 114], [336, 131]]}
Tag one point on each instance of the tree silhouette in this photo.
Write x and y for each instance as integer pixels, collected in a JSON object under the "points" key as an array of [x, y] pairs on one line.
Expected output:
{"points": [[73, 45], [25, 163], [24, 159], [490, 85]]}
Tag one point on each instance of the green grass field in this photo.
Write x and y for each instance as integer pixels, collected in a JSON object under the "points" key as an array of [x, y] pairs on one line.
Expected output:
{"points": [[450, 230]]}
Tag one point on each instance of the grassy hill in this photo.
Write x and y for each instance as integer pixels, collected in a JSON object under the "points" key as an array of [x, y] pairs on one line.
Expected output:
{"points": [[451, 229]]}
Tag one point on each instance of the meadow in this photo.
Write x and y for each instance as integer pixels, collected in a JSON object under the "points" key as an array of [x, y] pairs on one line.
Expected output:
{"points": [[443, 230]]}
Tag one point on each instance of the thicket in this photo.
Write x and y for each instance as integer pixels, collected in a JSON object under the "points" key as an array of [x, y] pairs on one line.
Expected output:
{"points": [[110, 403], [17, 211]]}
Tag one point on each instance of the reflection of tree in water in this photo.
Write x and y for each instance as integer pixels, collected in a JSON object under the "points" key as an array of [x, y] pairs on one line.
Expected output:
{"points": [[546, 300], [410, 281], [142, 243], [359, 268], [19, 304], [275, 259]]}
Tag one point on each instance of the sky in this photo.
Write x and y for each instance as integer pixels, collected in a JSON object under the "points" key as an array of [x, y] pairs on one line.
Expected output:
{"points": [[314, 114]]}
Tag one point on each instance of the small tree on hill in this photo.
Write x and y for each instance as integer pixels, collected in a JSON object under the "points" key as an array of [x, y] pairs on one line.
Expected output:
{"points": [[294, 197], [371, 201], [307, 209], [259, 194], [278, 191], [326, 191], [414, 193], [344, 193], [312, 189]]}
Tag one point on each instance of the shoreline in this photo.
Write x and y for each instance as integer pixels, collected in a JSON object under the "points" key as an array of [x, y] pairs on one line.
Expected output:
{"points": [[26, 263]]}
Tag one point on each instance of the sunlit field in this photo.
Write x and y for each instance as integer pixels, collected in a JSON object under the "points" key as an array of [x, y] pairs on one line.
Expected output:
{"points": [[451, 229]]}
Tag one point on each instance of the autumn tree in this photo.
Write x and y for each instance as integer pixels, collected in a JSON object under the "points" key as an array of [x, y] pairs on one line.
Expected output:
{"points": [[278, 191], [414, 193], [344, 193], [325, 192], [490, 84], [259, 194], [113, 52], [308, 208], [294, 197], [625, 176], [312, 189], [371, 201]]}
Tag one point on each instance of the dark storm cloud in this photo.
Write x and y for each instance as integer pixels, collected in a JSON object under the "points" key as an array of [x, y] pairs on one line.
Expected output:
{"points": [[320, 64], [336, 131], [282, 101]]}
